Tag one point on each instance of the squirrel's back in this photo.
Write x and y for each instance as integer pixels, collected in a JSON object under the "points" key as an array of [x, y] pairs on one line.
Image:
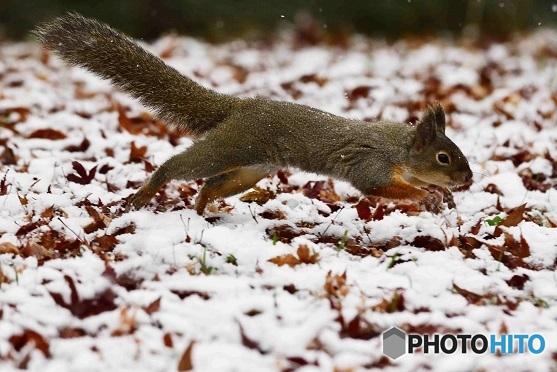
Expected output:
{"points": [[107, 53]]}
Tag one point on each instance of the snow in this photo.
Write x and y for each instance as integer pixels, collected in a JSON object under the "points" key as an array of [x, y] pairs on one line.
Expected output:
{"points": [[96, 305]]}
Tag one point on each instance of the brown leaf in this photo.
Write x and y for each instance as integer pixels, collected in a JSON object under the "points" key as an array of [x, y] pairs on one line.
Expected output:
{"points": [[321, 190], [507, 259], [148, 166], [248, 342], [313, 78], [8, 157], [153, 306], [137, 154], [364, 209], [33, 249], [83, 177], [69, 332], [518, 281], [335, 285], [503, 330], [100, 221], [19, 341], [83, 308], [127, 229], [358, 92], [105, 242], [286, 259], [8, 247], [391, 305], [471, 297], [23, 112], [82, 147], [127, 324], [50, 134], [520, 249], [25, 229], [167, 340], [258, 195], [3, 185], [284, 233], [48, 213], [105, 169], [359, 328], [428, 242], [305, 255], [126, 123], [273, 215], [515, 216], [493, 189], [476, 228], [186, 363]]}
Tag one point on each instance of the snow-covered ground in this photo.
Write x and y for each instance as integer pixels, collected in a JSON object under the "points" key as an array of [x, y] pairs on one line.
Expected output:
{"points": [[300, 273]]}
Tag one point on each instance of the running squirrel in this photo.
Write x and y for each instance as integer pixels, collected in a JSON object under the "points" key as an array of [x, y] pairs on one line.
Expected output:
{"points": [[245, 139]]}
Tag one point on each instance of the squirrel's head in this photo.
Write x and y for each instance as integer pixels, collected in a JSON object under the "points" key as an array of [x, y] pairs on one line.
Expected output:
{"points": [[434, 158]]}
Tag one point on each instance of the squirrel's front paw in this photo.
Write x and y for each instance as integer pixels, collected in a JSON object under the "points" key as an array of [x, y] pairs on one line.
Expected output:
{"points": [[137, 201], [446, 195], [433, 202]]}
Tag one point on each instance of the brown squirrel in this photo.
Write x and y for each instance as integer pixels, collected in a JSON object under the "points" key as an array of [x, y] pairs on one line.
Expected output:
{"points": [[246, 139]]}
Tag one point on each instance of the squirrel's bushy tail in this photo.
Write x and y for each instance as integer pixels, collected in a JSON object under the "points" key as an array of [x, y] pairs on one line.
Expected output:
{"points": [[107, 53]]}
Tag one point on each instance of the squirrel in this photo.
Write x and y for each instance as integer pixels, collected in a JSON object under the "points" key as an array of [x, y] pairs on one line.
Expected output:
{"points": [[239, 141]]}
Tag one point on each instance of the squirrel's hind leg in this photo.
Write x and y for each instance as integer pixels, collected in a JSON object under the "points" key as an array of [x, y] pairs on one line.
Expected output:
{"points": [[228, 184], [207, 158]]}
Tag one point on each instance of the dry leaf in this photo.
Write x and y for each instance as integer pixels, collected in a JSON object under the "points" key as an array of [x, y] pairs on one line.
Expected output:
{"points": [[8, 247], [335, 285], [83, 177], [137, 154], [258, 195], [50, 134], [185, 363], [286, 259]]}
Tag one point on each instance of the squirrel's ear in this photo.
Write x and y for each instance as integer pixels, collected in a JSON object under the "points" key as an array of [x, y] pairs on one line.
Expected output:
{"points": [[439, 117], [426, 130]]}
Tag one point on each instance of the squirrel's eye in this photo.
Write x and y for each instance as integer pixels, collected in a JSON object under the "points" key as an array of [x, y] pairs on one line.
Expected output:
{"points": [[443, 158]]}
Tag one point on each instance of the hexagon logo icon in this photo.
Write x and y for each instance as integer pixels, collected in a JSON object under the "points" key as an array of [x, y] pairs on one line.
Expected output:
{"points": [[394, 343]]}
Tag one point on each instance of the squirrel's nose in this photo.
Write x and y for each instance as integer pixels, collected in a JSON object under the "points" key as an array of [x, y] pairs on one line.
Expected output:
{"points": [[468, 177]]}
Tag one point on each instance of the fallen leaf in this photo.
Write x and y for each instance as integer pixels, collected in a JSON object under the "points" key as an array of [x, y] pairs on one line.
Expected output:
{"points": [[306, 256], [186, 363], [83, 177], [286, 259], [518, 281], [153, 306], [248, 342], [8, 247], [335, 285], [137, 154], [428, 242], [32, 249], [471, 297], [258, 195], [20, 340], [50, 134], [364, 209], [82, 147]]}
